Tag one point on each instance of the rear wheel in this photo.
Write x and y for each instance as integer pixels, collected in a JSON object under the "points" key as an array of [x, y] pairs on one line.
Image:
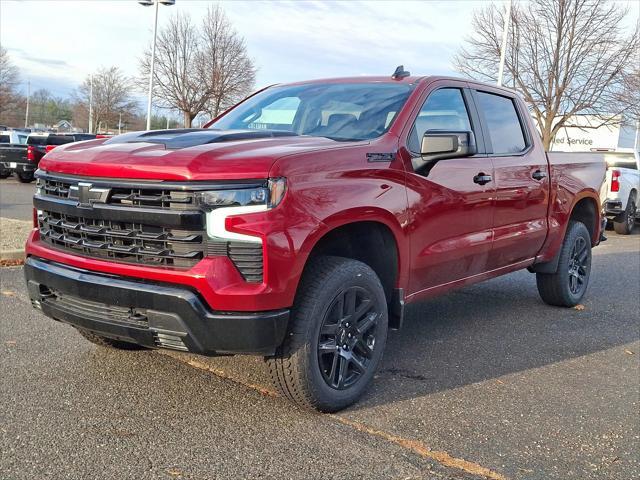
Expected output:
{"points": [[337, 334], [26, 177], [627, 219], [108, 342], [5, 174], [567, 286]]}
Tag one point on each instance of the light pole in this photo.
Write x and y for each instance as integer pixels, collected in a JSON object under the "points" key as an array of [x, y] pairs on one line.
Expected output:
{"points": [[503, 50], [26, 113], [91, 103], [148, 3]]}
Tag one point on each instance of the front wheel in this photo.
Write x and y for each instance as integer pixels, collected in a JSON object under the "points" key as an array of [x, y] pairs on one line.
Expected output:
{"points": [[337, 333], [627, 219], [567, 286]]}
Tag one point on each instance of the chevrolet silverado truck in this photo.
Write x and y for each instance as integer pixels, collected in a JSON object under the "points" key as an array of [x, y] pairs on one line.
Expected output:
{"points": [[299, 223], [623, 185]]}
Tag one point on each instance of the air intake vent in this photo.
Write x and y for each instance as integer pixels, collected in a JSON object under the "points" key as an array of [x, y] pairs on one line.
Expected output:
{"points": [[246, 256]]}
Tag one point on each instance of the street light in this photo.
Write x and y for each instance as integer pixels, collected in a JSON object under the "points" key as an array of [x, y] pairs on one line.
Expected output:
{"points": [[148, 3]]}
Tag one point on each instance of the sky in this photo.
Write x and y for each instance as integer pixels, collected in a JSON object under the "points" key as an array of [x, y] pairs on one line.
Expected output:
{"points": [[56, 44]]}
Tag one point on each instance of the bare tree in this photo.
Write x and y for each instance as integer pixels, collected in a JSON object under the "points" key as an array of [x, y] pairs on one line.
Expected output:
{"points": [[111, 96], [224, 65], [9, 80], [198, 69], [176, 82], [565, 57]]}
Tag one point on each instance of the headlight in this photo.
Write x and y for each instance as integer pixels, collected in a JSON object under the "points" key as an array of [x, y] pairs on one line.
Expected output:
{"points": [[269, 196], [221, 204]]}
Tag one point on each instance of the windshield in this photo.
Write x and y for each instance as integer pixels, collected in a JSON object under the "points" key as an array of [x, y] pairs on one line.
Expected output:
{"points": [[346, 111]]}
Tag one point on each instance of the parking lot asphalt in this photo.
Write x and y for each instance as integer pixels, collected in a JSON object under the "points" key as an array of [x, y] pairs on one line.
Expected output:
{"points": [[485, 382], [16, 199]]}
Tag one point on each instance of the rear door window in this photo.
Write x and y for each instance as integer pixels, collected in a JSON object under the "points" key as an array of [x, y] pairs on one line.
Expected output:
{"points": [[503, 123], [5, 139]]}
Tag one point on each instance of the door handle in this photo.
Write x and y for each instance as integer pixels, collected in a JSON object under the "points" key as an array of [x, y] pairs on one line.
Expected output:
{"points": [[538, 175], [482, 178]]}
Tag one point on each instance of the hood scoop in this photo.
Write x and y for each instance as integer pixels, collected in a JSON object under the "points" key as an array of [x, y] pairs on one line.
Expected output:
{"points": [[192, 137]]}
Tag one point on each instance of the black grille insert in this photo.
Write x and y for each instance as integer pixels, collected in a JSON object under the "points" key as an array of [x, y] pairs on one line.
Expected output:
{"points": [[122, 241], [126, 196]]}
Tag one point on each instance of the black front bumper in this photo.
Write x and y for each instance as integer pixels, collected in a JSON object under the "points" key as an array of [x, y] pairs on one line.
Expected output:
{"points": [[149, 314]]}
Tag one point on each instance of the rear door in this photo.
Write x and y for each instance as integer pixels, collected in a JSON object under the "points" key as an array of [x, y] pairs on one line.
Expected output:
{"points": [[521, 178], [451, 209]]}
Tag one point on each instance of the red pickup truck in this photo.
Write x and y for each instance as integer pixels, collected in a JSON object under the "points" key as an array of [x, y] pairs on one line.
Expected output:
{"points": [[298, 224]]}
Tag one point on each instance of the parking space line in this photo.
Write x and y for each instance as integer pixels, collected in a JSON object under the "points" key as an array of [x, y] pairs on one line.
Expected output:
{"points": [[419, 448], [415, 446]]}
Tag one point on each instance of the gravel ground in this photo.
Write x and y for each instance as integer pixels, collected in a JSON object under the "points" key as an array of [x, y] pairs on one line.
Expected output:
{"points": [[13, 233]]}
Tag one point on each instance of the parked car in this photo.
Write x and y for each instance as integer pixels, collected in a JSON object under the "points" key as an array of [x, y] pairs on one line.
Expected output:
{"points": [[39, 145], [301, 221], [623, 185], [13, 151]]}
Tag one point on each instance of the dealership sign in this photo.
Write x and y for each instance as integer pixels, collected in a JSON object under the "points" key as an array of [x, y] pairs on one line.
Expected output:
{"points": [[586, 134]]}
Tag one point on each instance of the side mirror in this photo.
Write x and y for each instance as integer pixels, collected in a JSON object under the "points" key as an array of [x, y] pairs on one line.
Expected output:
{"points": [[443, 144]]}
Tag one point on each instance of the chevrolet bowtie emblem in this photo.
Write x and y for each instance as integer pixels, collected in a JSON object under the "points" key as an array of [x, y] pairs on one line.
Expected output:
{"points": [[87, 194]]}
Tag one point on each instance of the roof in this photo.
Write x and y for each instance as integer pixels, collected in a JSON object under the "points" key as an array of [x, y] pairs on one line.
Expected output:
{"points": [[410, 80]]}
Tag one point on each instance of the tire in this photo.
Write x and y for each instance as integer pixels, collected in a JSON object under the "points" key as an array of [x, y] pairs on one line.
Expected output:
{"points": [[567, 286], [5, 174], [627, 219], [26, 177], [312, 368], [108, 342]]}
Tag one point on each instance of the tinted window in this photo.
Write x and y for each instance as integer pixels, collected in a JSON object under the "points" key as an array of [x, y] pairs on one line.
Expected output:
{"points": [[444, 109], [59, 139], [36, 140], [340, 111], [5, 139], [503, 123]]}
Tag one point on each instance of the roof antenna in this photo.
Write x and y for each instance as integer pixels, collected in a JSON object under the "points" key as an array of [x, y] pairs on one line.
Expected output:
{"points": [[400, 73]]}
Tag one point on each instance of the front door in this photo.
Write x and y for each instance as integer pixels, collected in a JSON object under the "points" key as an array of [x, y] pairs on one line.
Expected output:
{"points": [[451, 203]]}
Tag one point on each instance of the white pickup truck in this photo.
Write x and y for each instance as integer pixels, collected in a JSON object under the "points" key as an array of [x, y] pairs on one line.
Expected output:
{"points": [[623, 187]]}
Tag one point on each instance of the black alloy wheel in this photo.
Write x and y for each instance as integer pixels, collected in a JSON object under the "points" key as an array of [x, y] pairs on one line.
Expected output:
{"points": [[348, 337], [578, 265]]}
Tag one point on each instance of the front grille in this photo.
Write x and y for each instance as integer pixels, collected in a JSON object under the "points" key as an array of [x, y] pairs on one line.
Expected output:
{"points": [[152, 225], [94, 310], [128, 196], [122, 241]]}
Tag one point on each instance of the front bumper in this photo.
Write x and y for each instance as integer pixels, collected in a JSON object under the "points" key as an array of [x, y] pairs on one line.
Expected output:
{"points": [[150, 314]]}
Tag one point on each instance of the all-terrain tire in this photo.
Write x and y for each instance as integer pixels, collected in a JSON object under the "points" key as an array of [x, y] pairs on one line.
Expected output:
{"points": [[627, 219], [108, 342], [327, 288], [574, 269]]}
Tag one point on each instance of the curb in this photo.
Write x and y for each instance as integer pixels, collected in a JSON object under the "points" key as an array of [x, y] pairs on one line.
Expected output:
{"points": [[17, 254]]}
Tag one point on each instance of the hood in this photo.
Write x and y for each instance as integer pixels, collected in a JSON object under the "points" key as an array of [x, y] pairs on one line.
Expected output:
{"points": [[188, 154]]}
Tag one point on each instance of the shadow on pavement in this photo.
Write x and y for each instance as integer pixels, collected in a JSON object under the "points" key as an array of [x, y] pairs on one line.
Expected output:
{"points": [[501, 327]]}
